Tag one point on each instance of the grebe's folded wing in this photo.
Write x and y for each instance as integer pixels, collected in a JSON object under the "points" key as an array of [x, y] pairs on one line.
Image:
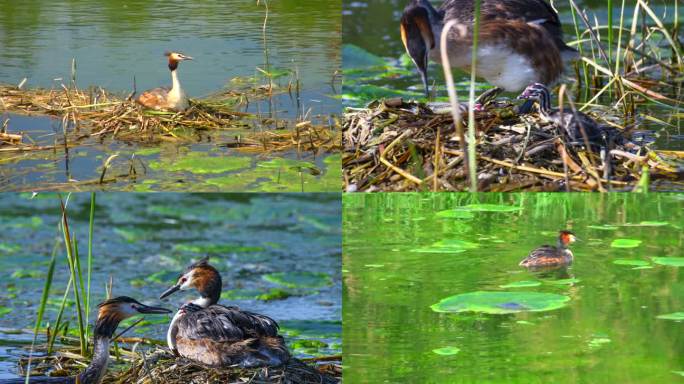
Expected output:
{"points": [[154, 98], [225, 323]]}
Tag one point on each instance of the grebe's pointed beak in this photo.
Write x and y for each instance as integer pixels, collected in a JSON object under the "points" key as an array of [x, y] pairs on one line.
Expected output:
{"points": [[170, 291], [418, 39], [148, 309]]}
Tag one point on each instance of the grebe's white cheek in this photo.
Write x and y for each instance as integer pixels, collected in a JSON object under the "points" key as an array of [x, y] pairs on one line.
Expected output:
{"points": [[188, 281]]}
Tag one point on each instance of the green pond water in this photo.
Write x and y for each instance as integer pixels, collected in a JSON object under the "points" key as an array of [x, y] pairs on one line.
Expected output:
{"points": [[433, 292], [376, 66], [113, 42], [278, 254]]}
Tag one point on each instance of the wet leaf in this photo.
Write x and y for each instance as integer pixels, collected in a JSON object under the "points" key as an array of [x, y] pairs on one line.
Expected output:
{"points": [[669, 261], [625, 243], [501, 302], [679, 316], [446, 351], [521, 284]]}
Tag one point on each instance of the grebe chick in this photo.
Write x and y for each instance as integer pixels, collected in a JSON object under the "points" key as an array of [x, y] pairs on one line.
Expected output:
{"points": [[111, 313], [549, 256], [220, 336], [569, 123], [520, 41], [163, 98]]}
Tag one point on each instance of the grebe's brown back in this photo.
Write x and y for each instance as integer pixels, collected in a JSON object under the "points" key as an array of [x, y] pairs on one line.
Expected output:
{"points": [[216, 335]]}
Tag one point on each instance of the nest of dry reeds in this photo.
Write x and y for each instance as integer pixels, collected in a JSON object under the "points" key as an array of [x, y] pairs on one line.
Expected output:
{"points": [[100, 114], [394, 145], [159, 366]]}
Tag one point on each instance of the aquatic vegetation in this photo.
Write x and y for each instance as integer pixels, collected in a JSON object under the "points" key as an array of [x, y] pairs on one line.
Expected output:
{"points": [[501, 302], [299, 279], [669, 261], [632, 262], [448, 246], [625, 243], [678, 316], [455, 214], [203, 163], [490, 208], [569, 281], [446, 351], [521, 284]]}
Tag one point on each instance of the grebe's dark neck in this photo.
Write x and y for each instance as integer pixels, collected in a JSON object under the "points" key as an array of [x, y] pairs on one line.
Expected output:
{"points": [[561, 243], [104, 330]]}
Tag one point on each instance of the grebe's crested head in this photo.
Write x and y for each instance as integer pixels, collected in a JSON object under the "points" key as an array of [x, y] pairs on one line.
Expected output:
{"points": [[539, 93], [113, 311], [566, 237], [175, 58], [201, 276], [417, 35]]}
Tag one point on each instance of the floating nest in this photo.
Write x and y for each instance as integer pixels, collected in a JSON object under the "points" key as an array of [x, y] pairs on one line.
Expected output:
{"points": [[159, 366], [394, 145], [97, 113]]}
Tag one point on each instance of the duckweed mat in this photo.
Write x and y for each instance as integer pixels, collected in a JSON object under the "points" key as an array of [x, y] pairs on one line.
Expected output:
{"points": [[397, 145]]}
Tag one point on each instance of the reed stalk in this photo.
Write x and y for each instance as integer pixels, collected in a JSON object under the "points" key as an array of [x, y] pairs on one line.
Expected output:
{"points": [[472, 165]]}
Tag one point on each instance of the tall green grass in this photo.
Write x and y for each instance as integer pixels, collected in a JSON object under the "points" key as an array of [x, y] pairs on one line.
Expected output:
{"points": [[76, 285]]}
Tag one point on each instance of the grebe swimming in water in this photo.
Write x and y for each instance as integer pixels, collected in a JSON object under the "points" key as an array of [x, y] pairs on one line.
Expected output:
{"points": [[216, 335], [550, 256], [110, 314], [164, 98]]}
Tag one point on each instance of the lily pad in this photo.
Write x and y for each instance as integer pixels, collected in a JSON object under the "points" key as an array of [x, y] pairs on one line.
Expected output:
{"points": [[501, 302], [446, 351], [215, 248], [455, 214], [564, 281], [448, 246], [490, 208], [625, 243], [4, 311], [598, 342], [520, 284], [299, 279], [679, 316], [632, 262], [650, 224], [669, 261]]}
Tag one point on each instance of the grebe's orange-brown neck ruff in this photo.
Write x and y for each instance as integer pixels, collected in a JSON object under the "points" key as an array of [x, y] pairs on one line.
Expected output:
{"points": [[163, 98], [520, 41], [216, 335], [549, 256]]}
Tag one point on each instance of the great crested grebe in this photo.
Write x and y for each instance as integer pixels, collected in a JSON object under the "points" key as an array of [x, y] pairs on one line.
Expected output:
{"points": [[570, 124], [216, 335], [520, 41], [163, 98], [549, 256], [111, 313]]}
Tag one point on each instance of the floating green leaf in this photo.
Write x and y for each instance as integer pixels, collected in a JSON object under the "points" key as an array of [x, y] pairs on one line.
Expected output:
{"points": [[598, 342], [446, 351], [679, 316], [501, 302], [520, 284], [448, 246], [625, 243], [669, 261], [489, 208], [564, 281], [633, 262], [299, 279], [4, 311], [455, 214]]}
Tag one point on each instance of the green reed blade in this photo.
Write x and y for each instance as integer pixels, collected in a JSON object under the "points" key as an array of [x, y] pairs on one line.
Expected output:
{"points": [[90, 260], [60, 313]]}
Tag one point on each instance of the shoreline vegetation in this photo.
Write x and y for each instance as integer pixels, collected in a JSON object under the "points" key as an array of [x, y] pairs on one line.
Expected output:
{"points": [[631, 62]]}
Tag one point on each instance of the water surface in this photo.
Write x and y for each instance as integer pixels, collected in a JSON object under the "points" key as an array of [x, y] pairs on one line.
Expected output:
{"points": [[609, 331]]}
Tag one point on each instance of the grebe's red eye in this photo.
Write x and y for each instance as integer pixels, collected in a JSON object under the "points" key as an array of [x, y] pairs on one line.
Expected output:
{"points": [[183, 279]]}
